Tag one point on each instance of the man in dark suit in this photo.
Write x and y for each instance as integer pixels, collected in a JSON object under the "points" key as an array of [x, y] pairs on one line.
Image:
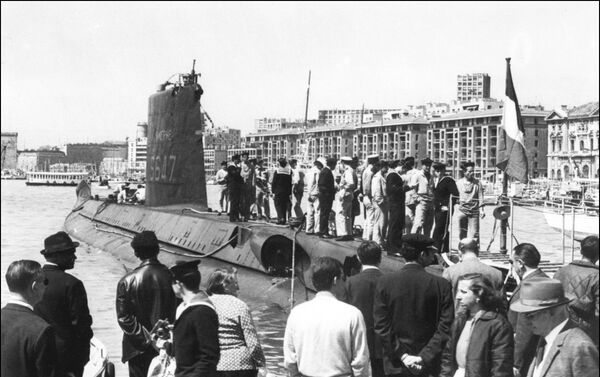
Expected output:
{"points": [[564, 350], [326, 184], [28, 345], [526, 259], [144, 296], [359, 291], [396, 197], [413, 312], [65, 306]]}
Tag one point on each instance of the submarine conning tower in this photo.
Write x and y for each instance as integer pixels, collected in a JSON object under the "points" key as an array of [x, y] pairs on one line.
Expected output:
{"points": [[175, 159]]}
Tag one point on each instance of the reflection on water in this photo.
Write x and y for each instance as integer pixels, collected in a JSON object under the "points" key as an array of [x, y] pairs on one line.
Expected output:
{"points": [[29, 214]]}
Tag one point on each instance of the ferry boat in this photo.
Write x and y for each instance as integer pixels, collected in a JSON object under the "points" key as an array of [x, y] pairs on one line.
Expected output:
{"points": [[45, 178]]}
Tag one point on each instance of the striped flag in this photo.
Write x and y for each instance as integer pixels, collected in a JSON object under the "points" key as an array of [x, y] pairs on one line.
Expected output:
{"points": [[512, 156]]}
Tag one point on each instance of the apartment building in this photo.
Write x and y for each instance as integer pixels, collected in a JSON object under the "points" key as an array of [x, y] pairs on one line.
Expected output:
{"points": [[473, 136], [472, 86]]}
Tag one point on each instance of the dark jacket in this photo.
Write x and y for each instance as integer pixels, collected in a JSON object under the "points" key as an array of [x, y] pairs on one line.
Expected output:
{"points": [[359, 291], [442, 192], [28, 345], [196, 342], [326, 183], [525, 340], [395, 189], [580, 282], [65, 307], [282, 181], [144, 296], [490, 351], [413, 312], [234, 179]]}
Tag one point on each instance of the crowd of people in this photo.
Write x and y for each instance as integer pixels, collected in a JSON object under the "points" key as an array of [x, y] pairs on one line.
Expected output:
{"points": [[397, 197], [409, 322]]}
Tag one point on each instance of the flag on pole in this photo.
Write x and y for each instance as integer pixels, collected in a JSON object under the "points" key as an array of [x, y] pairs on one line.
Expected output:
{"points": [[512, 156]]}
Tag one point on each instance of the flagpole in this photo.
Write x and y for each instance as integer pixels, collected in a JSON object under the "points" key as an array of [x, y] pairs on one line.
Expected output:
{"points": [[504, 222]]}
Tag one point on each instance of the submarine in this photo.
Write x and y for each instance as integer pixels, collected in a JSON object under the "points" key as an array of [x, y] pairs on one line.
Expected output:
{"points": [[274, 260]]}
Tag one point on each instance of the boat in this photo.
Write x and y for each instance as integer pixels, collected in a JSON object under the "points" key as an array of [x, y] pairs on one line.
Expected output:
{"points": [[275, 258], [45, 178], [578, 223], [12, 174]]}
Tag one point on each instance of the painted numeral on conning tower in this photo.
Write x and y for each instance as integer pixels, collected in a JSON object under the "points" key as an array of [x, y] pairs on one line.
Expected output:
{"points": [[162, 168]]}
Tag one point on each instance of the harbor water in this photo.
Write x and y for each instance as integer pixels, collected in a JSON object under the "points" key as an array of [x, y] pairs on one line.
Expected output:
{"points": [[31, 213]]}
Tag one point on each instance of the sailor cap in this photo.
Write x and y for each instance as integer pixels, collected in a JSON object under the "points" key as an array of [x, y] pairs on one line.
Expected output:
{"points": [[347, 159], [322, 161]]}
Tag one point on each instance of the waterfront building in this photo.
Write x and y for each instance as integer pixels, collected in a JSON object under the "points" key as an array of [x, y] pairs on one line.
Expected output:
{"points": [[393, 138], [473, 86], [473, 136], [268, 124], [212, 160], [9, 150], [114, 166], [70, 168], [252, 153], [476, 104], [222, 138], [40, 160], [94, 153], [137, 151], [337, 116], [573, 142]]}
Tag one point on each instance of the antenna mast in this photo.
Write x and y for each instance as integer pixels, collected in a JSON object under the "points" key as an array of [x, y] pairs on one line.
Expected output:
{"points": [[306, 108]]}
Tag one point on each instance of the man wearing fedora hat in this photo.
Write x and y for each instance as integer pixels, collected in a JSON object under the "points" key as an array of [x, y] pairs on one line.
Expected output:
{"points": [[564, 350], [144, 296], [65, 306]]}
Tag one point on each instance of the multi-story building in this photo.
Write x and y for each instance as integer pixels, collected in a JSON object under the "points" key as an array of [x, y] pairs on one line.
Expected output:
{"points": [[222, 139], [114, 166], [137, 151], [573, 142], [212, 160], [473, 136], [476, 104], [9, 150], [94, 153], [394, 138], [473, 86], [40, 160], [337, 116], [252, 153], [268, 124]]}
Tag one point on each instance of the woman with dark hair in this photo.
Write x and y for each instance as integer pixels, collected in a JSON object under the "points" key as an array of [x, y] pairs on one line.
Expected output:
{"points": [[481, 341], [241, 353]]}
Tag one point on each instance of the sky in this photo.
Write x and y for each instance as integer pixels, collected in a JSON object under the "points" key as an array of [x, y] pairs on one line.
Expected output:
{"points": [[82, 72]]}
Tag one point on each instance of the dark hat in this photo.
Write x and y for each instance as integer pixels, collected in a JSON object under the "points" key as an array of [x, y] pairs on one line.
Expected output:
{"points": [[331, 161], [147, 238], [409, 159], [58, 242], [417, 240], [235, 157], [245, 153], [439, 166], [539, 294], [426, 161], [181, 268]]}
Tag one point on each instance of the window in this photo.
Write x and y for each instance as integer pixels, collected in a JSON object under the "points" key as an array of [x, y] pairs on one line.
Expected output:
{"points": [[572, 145], [581, 145], [535, 143]]}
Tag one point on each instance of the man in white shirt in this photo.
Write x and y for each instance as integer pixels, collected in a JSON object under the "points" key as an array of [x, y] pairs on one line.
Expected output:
{"points": [[564, 350], [422, 182], [324, 336], [222, 182], [312, 182], [345, 196], [367, 193], [380, 203]]}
